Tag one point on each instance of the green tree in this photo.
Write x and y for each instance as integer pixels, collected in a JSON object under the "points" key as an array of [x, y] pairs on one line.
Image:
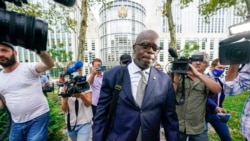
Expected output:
{"points": [[61, 56], [206, 9], [167, 11], [85, 7], [55, 14], [189, 47]]}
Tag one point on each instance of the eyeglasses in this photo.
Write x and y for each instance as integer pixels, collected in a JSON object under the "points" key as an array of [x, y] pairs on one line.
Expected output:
{"points": [[146, 46]]}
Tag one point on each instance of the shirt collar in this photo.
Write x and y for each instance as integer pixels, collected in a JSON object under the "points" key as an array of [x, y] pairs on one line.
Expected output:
{"points": [[136, 69]]}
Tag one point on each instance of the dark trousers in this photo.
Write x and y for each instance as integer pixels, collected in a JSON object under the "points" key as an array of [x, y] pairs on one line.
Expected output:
{"points": [[93, 110], [220, 127], [198, 137]]}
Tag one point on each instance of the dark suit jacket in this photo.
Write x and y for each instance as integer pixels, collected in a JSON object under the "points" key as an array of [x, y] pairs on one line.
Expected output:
{"points": [[158, 107]]}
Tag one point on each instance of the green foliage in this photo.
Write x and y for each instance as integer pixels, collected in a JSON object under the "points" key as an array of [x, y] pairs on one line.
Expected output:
{"points": [[3, 122], [189, 47], [56, 123], [233, 104], [55, 14], [60, 55]]}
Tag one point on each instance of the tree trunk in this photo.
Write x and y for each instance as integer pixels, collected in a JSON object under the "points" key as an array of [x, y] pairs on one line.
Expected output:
{"points": [[248, 9], [83, 29], [168, 13]]}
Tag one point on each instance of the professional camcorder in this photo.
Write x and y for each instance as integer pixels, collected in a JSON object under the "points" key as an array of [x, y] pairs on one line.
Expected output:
{"points": [[181, 65], [24, 30], [76, 83], [236, 48]]}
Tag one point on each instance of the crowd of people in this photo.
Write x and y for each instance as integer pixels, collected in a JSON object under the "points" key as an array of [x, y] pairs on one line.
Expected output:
{"points": [[147, 98]]}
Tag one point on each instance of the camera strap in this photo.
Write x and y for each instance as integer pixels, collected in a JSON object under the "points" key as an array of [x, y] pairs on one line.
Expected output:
{"points": [[182, 98], [115, 97], [68, 116]]}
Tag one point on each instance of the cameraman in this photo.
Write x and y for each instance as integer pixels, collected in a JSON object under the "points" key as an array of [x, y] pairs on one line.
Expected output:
{"points": [[78, 113], [237, 81], [21, 87], [193, 89]]}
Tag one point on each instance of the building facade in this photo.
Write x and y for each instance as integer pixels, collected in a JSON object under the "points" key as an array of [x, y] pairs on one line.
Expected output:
{"points": [[119, 25]]}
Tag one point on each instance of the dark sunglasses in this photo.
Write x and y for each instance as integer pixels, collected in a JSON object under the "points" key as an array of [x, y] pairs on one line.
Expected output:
{"points": [[146, 46]]}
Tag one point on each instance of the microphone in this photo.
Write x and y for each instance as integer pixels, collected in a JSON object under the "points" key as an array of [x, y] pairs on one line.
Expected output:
{"points": [[68, 3], [72, 68], [172, 52]]}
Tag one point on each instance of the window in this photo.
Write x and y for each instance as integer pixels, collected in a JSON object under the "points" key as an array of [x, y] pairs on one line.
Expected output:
{"points": [[93, 45], [161, 57], [86, 46], [203, 45], [211, 44], [161, 44]]}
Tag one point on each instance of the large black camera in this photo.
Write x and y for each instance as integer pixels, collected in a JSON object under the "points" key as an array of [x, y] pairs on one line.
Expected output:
{"points": [[75, 85], [24, 30], [181, 65]]}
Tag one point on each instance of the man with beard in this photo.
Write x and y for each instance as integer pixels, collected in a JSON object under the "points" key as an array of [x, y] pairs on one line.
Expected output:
{"points": [[145, 101], [21, 87]]}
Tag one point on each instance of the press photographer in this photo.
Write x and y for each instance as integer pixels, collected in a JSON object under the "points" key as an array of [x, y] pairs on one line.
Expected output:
{"points": [[192, 91], [76, 103]]}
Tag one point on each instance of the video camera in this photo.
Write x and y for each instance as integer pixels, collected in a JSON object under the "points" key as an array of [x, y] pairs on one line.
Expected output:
{"points": [[76, 83], [232, 51], [24, 30], [181, 65]]}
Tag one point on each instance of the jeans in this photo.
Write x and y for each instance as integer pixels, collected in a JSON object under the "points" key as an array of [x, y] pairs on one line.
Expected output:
{"points": [[198, 137], [81, 132], [33, 130], [220, 127]]}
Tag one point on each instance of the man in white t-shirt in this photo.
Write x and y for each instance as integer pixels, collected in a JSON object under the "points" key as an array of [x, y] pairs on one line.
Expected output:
{"points": [[23, 94]]}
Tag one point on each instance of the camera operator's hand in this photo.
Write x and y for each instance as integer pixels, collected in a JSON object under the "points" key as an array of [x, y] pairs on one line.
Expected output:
{"points": [[95, 71], [64, 100], [212, 85], [193, 70], [220, 110]]}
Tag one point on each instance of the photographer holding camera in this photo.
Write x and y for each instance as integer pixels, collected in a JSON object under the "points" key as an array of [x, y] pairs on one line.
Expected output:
{"points": [[22, 91], [95, 81], [76, 105], [191, 95], [237, 81]]}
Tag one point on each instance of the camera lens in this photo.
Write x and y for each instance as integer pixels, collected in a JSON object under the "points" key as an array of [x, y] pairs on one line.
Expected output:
{"points": [[23, 30]]}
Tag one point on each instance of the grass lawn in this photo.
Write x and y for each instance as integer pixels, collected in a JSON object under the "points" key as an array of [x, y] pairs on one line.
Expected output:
{"points": [[234, 104]]}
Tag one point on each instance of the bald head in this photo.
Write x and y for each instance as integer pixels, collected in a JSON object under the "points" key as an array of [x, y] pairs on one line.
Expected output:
{"points": [[146, 34]]}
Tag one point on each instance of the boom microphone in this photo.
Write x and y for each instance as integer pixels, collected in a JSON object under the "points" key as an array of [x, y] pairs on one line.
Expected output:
{"points": [[172, 52], [68, 3], [74, 67]]}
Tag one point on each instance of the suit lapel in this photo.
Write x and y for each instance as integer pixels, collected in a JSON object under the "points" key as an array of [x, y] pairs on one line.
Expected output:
{"points": [[127, 90], [152, 80]]}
